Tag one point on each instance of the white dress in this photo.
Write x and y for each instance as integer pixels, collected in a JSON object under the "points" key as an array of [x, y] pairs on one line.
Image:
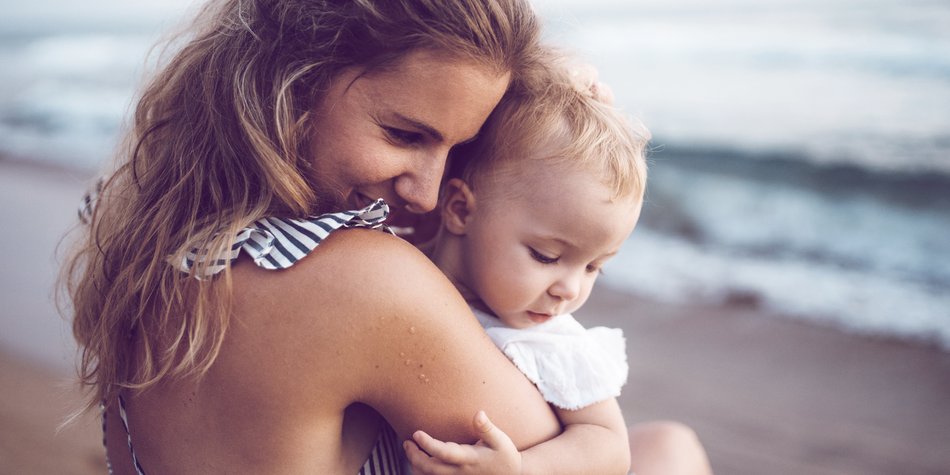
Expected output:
{"points": [[572, 366]]}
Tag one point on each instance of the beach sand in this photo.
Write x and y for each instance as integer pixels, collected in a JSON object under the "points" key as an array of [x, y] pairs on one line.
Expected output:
{"points": [[767, 395], [37, 384]]}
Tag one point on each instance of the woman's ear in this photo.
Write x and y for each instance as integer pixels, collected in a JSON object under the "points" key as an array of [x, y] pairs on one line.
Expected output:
{"points": [[458, 203]]}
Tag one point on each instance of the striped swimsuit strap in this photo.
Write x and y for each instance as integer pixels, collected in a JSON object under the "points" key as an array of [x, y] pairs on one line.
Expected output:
{"points": [[272, 243], [384, 459], [278, 243], [128, 436]]}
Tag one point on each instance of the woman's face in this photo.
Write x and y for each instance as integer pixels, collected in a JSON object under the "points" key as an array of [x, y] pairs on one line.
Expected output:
{"points": [[387, 134]]}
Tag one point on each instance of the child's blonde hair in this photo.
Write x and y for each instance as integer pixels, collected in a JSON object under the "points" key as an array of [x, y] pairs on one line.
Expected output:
{"points": [[554, 117], [218, 140]]}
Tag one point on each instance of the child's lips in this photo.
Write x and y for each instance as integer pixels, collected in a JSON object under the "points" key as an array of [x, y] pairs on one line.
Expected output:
{"points": [[538, 317]]}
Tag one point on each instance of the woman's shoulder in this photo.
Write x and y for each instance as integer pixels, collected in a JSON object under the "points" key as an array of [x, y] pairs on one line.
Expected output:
{"points": [[361, 294], [366, 264], [358, 259], [356, 281]]}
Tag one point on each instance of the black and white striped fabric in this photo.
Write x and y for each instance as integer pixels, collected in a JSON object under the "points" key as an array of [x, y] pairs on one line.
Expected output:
{"points": [[278, 243], [272, 243], [385, 458], [88, 202]]}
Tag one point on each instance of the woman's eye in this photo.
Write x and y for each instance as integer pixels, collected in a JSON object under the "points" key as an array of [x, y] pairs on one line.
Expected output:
{"points": [[541, 257], [404, 137]]}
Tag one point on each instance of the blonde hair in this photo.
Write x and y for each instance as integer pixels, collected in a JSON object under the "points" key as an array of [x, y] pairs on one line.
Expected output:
{"points": [[571, 122], [217, 141]]}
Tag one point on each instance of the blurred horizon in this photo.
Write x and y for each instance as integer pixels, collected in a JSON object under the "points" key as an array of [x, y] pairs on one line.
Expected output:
{"points": [[801, 152]]}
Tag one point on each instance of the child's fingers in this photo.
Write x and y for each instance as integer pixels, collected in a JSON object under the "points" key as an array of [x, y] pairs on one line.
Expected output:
{"points": [[423, 464], [490, 435], [448, 452], [414, 454]]}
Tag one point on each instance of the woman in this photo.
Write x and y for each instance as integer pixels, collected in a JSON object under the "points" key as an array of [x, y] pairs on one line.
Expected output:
{"points": [[283, 360]]}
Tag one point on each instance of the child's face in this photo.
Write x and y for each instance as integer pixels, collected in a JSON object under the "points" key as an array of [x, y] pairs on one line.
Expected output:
{"points": [[537, 238]]}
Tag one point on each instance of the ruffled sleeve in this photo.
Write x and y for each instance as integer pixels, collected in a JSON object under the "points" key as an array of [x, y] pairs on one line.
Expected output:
{"points": [[278, 243], [572, 367]]}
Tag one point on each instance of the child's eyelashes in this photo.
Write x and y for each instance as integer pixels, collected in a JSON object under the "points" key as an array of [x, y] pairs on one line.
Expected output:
{"points": [[595, 268], [542, 258], [404, 137], [592, 269]]}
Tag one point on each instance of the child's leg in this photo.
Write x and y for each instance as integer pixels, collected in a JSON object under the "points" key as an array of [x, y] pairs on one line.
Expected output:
{"points": [[667, 448]]}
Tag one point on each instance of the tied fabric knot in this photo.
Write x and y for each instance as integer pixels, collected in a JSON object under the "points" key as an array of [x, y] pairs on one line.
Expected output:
{"points": [[278, 243]]}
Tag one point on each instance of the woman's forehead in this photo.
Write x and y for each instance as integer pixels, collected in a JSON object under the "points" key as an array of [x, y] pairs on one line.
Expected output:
{"points": [[450, 97]]}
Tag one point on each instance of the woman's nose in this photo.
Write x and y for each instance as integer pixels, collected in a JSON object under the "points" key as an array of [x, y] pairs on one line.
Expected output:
{"points": [[419, 187]]}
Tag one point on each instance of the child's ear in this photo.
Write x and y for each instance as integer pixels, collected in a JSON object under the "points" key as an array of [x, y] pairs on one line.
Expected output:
{"points": [[458, 203]]}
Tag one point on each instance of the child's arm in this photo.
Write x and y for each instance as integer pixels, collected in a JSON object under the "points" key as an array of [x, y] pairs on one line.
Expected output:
{"points": [[594, 441]]}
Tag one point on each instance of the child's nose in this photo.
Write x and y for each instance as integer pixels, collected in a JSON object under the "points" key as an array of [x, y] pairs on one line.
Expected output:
{"points": [[568, 287]]}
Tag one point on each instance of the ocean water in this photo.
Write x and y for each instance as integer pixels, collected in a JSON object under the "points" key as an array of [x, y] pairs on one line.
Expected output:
{"points": [[801, 152]]}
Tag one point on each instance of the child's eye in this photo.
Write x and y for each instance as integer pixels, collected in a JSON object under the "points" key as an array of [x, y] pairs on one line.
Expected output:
{"points": [[541, 257], [404, 137], [591, 269]]}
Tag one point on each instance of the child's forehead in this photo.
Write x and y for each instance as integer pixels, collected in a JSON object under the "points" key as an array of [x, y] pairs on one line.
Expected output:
{"points": [[574, 205], [541, 170], [535, 183], [521, 146]]}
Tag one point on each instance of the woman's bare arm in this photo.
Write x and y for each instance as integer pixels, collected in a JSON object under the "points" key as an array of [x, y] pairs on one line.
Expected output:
{"points": [[367, 318]]}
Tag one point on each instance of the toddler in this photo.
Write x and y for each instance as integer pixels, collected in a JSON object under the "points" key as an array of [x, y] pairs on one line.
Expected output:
{"points": [[541, 201]]}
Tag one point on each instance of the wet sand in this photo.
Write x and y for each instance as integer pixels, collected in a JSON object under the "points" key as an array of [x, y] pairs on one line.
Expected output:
{"points": [[34, 402], [769, 395], [766, 395], [37, 389]]}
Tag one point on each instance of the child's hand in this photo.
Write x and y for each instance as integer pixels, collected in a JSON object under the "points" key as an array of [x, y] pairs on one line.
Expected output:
{"points": [[493, 453]]}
